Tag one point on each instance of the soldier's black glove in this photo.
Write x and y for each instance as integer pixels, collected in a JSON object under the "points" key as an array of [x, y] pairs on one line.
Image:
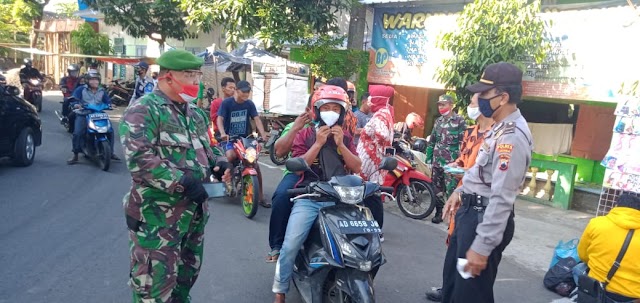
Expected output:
{"points": [[220, 168], [193, 189]]}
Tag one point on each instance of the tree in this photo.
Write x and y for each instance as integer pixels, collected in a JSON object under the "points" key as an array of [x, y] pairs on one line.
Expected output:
{"points": [[491, 31], [90, 42], [14, 27], [155, 19], [275, 22], [32, 10], [67, 9]]}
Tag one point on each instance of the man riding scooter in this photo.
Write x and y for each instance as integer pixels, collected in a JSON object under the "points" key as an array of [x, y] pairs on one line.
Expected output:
{"points": [[329, 151], [91, 94], [29, 72], [68, 84]]}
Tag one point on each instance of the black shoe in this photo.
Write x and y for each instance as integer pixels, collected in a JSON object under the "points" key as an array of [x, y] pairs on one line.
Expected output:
{"points": [[437, 219], [114, 157], [435, 294]]}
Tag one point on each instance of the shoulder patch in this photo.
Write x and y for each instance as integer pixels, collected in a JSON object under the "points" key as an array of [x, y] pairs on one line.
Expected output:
{"points": [[505, 148], [503, 162]]}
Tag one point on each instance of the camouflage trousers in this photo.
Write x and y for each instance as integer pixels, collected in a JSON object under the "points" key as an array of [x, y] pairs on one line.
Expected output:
{"points": [[444, 185], [165, 262]]}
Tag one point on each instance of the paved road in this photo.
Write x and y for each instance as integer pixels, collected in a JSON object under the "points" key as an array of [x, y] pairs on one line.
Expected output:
{"points": [[64, 239]]}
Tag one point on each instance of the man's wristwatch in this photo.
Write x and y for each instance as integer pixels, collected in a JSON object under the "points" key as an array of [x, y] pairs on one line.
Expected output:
{"points": [[179, 188]]}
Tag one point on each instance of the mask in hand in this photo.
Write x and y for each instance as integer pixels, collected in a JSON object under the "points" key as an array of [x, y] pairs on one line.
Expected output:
{"points": [[473, 112], [329, 117]]}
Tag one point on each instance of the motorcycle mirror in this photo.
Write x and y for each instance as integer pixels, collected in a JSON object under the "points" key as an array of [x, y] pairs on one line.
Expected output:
{"points": [[388, 163], [12, 90], [297, 165]]}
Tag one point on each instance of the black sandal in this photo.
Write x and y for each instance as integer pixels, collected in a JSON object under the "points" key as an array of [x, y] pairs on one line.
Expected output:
{"points": [[265, 204]]}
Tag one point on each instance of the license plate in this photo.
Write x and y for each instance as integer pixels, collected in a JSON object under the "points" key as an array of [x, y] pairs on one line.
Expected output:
{"points": [[359, 227], [99, 116]]}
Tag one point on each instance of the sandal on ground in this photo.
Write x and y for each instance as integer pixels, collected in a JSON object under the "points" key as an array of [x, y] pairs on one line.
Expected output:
{"points": [[265, 204], [273, 256]]}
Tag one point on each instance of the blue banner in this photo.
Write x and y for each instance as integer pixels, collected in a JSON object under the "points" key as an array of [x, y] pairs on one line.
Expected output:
{"points": [[84, 6]]}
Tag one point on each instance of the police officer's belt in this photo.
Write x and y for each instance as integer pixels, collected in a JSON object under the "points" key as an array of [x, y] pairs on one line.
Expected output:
{"points": [[474, 200]]}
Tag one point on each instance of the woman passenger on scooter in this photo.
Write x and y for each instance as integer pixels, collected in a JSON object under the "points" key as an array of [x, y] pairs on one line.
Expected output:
{"points": [[329, 151]]}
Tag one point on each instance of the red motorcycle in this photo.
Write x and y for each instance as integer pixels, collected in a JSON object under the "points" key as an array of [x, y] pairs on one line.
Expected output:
{"points": [[412, 189], [244, 176]]}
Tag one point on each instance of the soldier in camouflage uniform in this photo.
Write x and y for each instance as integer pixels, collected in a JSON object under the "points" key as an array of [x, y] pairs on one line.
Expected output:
{"points": [[167, 150], [444, 148]]}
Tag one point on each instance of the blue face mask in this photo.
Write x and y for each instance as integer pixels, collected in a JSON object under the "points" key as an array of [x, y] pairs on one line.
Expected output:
{"points": [[485, 106]]}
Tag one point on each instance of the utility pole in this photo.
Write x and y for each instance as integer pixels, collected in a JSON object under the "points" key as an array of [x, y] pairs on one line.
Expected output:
{"points": [[357, 22]]}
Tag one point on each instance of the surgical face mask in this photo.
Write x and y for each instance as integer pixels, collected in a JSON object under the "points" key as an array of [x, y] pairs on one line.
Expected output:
{"points": [[485, 106], [473, 112], [329, 117]]}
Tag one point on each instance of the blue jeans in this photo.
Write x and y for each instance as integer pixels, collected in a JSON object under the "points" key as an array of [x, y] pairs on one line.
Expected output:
{"points": [[79, 131], [280, 210], [303, 214]]}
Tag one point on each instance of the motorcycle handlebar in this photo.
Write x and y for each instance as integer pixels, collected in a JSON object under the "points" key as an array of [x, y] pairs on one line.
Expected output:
{"points": [[386, 189], [298, 191]]}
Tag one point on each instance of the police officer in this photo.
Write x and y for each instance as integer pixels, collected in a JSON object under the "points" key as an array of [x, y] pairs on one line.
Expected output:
{"points": [[485, 201], [144, 83], [168, 152]]}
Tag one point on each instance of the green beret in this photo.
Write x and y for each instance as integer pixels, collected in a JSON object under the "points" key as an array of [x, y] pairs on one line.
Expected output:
{"points": [[177, 59]]}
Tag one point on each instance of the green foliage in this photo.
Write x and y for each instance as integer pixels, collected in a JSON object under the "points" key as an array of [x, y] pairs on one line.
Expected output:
{"points": [[327, 62], [90, 42], [275, 22], [67, 9], [144, 18], [15, 20], [491, 31]]}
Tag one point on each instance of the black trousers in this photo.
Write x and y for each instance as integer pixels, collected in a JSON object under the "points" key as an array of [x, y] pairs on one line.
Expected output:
{"points": [[455, 289]]}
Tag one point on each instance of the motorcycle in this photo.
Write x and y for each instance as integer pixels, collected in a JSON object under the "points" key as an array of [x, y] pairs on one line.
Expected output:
{"points": [[64, 120], [120, 92], [97, 145], [276, 129], [412, 189], [342, 254], [244, 176], [33, 92]]}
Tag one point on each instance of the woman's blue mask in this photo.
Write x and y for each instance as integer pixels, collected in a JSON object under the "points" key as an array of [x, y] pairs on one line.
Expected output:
{"points": [[485, 106]]}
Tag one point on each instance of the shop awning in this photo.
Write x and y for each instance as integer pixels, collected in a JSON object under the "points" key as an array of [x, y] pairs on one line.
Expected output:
{"points": [[115, 60]]}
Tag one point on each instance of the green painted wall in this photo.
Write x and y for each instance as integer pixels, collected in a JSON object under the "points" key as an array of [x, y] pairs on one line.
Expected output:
{"points": [[589, 171]]}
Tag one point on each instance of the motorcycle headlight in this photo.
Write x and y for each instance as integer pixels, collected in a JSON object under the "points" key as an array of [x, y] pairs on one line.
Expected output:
{"points": [[250, 154], [350, 194], [34, 81]]}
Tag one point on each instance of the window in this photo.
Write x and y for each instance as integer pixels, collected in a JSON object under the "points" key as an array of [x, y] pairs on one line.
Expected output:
{"points": [[141, 50]]}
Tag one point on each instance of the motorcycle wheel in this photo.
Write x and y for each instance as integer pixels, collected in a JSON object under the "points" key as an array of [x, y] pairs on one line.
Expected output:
{"points": [[424, 199], [332, 294], [37, 101], [274, 158], [104, 155], [250, 195]]}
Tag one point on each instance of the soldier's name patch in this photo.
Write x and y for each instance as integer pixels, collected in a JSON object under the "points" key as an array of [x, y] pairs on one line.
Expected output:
{"points": [[505, 148], [503, 162]]}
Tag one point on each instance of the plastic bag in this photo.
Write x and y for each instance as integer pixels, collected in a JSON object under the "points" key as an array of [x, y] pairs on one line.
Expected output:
{"points": [[565, 250]]}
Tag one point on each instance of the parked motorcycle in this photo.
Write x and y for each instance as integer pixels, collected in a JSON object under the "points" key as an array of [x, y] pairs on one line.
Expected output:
{"points": [[244, 176], [413, 189], [33, 92], [342, 254], [275, 133], [48, 82], [120, 92]]}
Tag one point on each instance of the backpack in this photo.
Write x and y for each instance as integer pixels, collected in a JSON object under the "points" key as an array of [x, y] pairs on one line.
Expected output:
{"points": [[560, 274]]}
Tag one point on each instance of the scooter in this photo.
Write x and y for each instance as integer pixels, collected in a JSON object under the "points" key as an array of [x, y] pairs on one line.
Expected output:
{"points": [[244, 176], [342, 254], [97, 144], [413, 189], [33, 92]]}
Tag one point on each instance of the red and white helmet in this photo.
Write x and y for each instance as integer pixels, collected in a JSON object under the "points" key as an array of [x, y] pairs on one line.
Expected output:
{"points": [[414, 120], [329, 94]]}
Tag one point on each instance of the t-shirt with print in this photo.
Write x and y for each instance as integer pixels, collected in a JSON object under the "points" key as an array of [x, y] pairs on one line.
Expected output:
{"points": [[237, 116]]}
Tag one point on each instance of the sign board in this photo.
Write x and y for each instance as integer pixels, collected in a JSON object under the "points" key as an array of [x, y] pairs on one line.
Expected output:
{"points": [[594, 51]]}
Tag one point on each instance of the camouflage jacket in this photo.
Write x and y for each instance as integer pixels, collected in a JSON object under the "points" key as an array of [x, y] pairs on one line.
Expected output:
{"points": [[446, 137], [161, 144]]}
